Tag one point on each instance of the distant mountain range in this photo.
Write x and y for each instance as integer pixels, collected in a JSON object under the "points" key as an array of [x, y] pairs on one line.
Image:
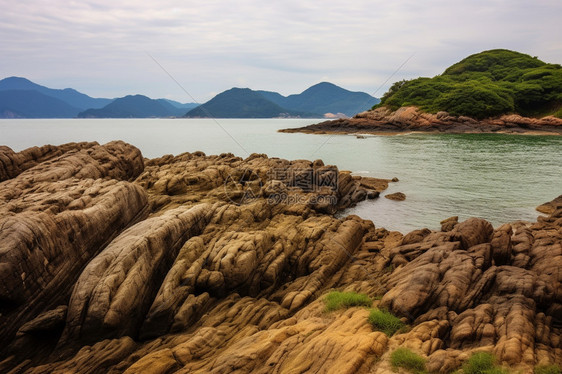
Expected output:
{"points": [[138, 106], [324, 98], [243, 103], [317, 101], [33, 104], [68, 95], [21, 98]]}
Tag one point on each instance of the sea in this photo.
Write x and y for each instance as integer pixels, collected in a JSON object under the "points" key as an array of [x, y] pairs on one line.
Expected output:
{"points": [[501, 178]]}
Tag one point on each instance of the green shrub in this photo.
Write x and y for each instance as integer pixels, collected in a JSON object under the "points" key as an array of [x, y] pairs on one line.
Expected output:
{"points": [[548, 369], [385, 321], [404, 358], [482, 363], [337, 300], [476, 100], [485, 84]]}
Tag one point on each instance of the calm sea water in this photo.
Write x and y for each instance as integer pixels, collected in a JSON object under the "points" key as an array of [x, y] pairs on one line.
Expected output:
{"points": [[501, 178]]}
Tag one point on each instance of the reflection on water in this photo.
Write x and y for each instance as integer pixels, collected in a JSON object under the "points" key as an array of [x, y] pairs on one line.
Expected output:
{"points": [[498, 177]]}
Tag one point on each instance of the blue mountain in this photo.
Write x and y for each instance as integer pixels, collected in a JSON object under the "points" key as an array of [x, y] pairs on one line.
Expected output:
{"points": [[33, 104], [177, 104], [68, 95], [242, 103], [134, 106], [324, 98]]}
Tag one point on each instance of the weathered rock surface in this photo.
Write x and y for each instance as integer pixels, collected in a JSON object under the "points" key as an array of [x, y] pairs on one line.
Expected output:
{"points": [[471, 280], [551, 206], [54, 218], [114, 291], [215, 264], [411, 119], [13, 163]]}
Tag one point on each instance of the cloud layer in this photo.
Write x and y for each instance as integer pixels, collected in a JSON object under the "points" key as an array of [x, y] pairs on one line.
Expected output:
{"points": [[103, 47]]}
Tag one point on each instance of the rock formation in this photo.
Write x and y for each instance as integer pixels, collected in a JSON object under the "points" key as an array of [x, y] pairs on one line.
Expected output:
{"points": [[12, 163], [397, 196], [110, 263], [410, 119]]}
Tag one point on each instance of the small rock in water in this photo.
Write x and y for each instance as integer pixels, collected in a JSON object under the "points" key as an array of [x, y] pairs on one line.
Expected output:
{"points": [[397, 196]]}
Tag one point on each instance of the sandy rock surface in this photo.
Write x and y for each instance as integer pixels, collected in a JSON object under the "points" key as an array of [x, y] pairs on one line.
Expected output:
{"points": [[411, 119], [213, 264]]}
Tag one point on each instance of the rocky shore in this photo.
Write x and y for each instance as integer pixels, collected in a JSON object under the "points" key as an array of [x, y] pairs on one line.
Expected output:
{"points": [[113, 263], [383, 121]]}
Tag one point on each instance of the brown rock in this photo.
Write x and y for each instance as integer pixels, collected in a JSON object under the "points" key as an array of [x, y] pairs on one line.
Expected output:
{"points": [[53, 223], [415, 236], [397, 196], [407, 119], [214, 282], [551, 206], [13, 163], [113, 292], [449, 223], [501, 245]]}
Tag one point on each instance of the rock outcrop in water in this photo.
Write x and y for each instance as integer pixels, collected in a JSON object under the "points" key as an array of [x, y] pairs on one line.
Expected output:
{"points": [[194, 263], [411, 119]]}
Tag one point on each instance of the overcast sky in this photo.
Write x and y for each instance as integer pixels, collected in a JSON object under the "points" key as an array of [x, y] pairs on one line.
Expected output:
{"points": [[103, 47]]}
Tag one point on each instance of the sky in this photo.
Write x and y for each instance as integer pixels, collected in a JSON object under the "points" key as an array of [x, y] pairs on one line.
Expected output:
{"points": [[114, 48]]}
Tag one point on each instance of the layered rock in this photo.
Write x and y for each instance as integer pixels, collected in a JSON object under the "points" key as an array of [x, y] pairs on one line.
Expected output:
{"points": [[193, 177], [219, 264], [410, 119], [113, 292], [13, 163], [163, 273], [54, 218], [476, 283]]}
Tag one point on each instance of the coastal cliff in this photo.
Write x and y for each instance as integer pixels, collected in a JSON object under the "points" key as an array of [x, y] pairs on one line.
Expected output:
{"points": [[384, 121], [113, 263]]}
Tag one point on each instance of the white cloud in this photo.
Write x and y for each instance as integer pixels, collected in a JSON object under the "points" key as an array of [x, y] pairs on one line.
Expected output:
{"points": [[100, 47]]}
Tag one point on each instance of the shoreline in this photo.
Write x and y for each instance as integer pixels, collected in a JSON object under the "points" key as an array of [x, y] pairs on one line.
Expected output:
{"points": [[405, 133], [410, 120]]}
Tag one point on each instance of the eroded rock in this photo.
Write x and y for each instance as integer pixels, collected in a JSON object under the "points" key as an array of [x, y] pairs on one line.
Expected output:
{"points": [[54, 218], [220, 264], [382, 120]]}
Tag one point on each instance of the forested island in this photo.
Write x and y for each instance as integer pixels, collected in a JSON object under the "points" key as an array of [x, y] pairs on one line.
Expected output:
{"points": [[492, 91]]}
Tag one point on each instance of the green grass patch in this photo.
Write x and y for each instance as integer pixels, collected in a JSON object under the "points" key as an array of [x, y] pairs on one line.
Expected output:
{"points": [[389, 268], [405, 358], [385, 321], [338, 300], [548, 369], [482, 363]]}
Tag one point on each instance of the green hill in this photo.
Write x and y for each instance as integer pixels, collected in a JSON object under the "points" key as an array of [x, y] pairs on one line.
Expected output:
{"points": [[483, 85], [242, 103]]}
